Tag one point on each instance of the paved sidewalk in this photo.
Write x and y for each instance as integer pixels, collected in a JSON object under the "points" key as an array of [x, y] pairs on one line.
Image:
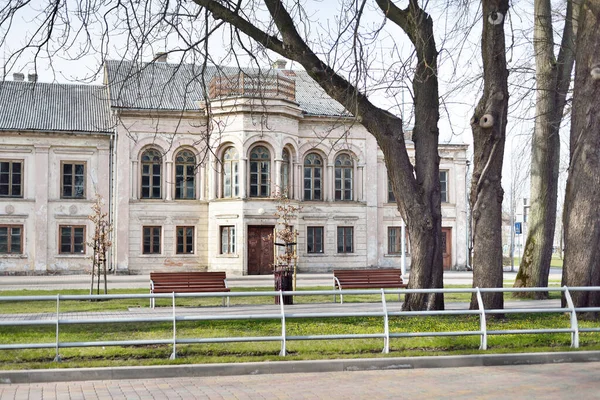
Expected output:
{"points": [[547, 381], [55, 282]]}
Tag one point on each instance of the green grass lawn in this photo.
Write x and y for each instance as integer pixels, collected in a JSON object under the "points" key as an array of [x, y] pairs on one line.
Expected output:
{"points": [[263, 351]]}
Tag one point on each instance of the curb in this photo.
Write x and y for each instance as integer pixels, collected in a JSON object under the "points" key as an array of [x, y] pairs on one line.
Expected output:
{"points": [[283, 367]]}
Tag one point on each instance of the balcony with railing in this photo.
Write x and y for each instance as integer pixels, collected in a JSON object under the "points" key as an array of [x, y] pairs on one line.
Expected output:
{"points": [[259, 86]]}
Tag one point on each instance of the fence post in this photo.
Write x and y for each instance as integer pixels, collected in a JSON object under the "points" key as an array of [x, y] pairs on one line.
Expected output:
{"points": [[482, 322], [57, 356], [174, 354], [386, 325], [283, 349], [574, 323]]}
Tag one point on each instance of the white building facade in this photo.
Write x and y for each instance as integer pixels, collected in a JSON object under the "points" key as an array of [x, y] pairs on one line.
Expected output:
{"points": [[193, 184]]}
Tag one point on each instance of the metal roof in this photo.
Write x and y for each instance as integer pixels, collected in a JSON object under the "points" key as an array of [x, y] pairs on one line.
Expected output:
{"points": [[176, 87], [37, 106]]}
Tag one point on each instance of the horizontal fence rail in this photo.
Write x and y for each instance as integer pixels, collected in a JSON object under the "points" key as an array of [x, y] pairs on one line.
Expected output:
{"points": [[287, 312]]}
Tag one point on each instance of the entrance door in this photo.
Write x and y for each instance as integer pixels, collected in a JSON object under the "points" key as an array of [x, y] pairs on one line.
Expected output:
{"points": [[260, 250], [447, 247]]}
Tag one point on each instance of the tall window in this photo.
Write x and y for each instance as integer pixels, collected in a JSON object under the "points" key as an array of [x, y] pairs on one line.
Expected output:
{"points": [[11, 178], [314, 239], [285, 173], [11, 239], [344, 171], [345, 239], [72, 239], [73, 180], [185, 240], [444, 186], [151, 174], [260, 161], [395, 240], [185, 175], [313, 173], [230, 173], [151, 240], [228, 240], [391, 196]]}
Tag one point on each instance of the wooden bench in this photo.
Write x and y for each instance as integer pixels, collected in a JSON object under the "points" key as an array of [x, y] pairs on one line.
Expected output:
{"points": [[188, 282], [367, 279]]}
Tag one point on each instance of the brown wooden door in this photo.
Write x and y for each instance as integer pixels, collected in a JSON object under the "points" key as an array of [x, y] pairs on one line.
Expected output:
{"points": [[260, 250], [447, 247]]}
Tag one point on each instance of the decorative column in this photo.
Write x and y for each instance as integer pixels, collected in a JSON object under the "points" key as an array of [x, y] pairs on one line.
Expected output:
{"points": [[42, 187], [360, 189], [215, 186], [277, 180], [135, 173], [168, 180], [299, 181], [242, 177], [328, 182], [201, 176]]}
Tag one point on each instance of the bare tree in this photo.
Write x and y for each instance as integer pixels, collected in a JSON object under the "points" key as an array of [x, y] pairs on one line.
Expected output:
{"points": [[342, 67], [581, 220], [553, 77], [489, 134]]}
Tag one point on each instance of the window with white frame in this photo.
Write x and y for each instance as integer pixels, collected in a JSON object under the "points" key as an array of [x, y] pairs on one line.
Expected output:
{"points": [[444, 186], [285, 173], [391, 198], [230, 179], [228, 239], [151, 163], [344, 173], [260, 167], [345, 239], [185, 175], [313, 175]]}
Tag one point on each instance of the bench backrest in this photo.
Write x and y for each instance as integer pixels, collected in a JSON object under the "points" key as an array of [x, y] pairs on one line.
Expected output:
{"points": [[368, 276], [188, 279]]}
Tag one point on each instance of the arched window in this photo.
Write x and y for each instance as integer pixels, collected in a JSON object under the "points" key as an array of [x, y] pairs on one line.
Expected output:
{"points": [[185, 175], [231, 186], [313, 173], [285, 173], [344, 171], [151, 174], [260, 162]]}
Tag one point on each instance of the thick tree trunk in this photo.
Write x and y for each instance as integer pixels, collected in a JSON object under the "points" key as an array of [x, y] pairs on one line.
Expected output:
{"points": [[425, 221], [552, 82], [418, 195], [489, 132], [582, 213]]}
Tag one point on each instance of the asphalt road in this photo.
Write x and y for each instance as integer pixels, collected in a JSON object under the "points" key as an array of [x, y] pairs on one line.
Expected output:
{"points": [[547, 381]]}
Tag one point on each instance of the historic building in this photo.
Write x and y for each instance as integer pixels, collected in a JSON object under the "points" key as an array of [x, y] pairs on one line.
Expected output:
{"points": [[190, 163]]}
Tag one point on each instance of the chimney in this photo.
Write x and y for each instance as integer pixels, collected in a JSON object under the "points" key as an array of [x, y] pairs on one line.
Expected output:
{"points": [[279, 64], [32, 77], [161, 56], [18, 77]]}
